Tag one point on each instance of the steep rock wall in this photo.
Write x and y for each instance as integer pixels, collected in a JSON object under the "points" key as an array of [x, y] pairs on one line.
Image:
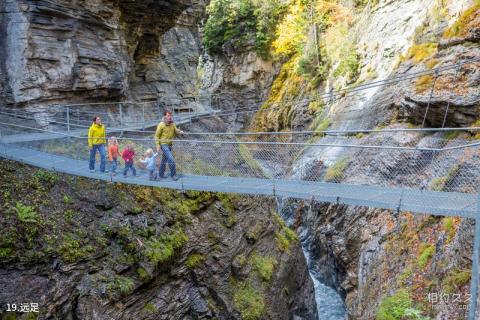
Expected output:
{"points": [[83, 249]]}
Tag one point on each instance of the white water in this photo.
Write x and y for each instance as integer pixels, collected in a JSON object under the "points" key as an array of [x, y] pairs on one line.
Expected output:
{"points": [[330, 305]]}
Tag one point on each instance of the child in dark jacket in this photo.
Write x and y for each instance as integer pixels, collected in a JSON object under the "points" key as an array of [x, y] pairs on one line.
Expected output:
{"points": [[128, 156]]}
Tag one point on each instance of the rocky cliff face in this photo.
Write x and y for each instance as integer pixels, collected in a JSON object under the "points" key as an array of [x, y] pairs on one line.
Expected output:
{"points": [[383, 263], [90, 51], [88, 250], [237, 81], [84, 51], [380, 260]]}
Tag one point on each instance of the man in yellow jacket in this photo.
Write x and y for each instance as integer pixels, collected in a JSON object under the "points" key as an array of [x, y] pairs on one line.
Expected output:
{"points": [[96, 142], [166, 131]]}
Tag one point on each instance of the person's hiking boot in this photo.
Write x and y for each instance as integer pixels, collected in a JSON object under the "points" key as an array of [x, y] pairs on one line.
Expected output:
{"points": [[161, 177], [175, 178]]}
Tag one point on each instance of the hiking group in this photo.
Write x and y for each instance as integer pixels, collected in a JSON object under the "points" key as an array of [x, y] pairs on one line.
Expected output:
{"points": [[166, 131]]}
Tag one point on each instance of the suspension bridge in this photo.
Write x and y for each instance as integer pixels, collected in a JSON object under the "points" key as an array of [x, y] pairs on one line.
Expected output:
{"points": [[421, 173]]}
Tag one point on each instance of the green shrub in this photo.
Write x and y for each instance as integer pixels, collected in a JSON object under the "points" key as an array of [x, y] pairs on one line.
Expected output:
{"points": [[231, 220], [251, 162], [122, 285], [149, 308], [348, 66], [426, 253], [282, 242], [194, 260], [441, 183], [319, 125], [249, 302], [26, 213], [398, 307], [449, 227], [455, 279], [72, 249], [67, 200], [336, 171], [341, 50], [264, 266], [162, 248], [437, 184], [69, 214], [285, 235], [143, 274], [5, 252], [46, 177], [227, 201]]}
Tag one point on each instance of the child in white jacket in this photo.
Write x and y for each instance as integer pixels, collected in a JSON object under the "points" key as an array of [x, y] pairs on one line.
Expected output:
{"points": [[149, 161]]}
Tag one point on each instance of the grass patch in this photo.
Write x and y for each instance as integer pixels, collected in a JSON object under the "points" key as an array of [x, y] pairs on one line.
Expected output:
{"points": [[72, 249], [320, 125], [451, 135], [426, 253], [67, 200], [404, 276], [149, 308], [143, 274], [399, 306], [264, 266], [441, 183], [122, 285], [285, 236], [46, 177], [26, 213], [194, 260], [227, 201], [449, 225], [249, 302], [455, 279], [162, 248], [336, 172], [250, 161]]}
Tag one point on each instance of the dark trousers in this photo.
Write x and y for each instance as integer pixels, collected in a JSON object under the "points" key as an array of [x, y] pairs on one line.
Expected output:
{"points": [[129, 165]]}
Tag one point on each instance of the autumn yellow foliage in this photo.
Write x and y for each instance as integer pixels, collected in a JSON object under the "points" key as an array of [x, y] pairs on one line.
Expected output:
{"points": [[421, 52], [469, 17], [290, 31]]}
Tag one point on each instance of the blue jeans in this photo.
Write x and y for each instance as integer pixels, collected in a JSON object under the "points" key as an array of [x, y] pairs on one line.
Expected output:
{"points": [[93, 152], [167, 157], [152, 175], [113, 165], [129, 165]]}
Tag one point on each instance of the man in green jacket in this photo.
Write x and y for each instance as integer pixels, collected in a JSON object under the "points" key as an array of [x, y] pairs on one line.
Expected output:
{"points": [[96, 142], [166, 131]]}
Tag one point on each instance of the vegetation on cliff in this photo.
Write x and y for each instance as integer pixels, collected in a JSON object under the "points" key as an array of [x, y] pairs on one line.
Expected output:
{"points": [[122, 242]]}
